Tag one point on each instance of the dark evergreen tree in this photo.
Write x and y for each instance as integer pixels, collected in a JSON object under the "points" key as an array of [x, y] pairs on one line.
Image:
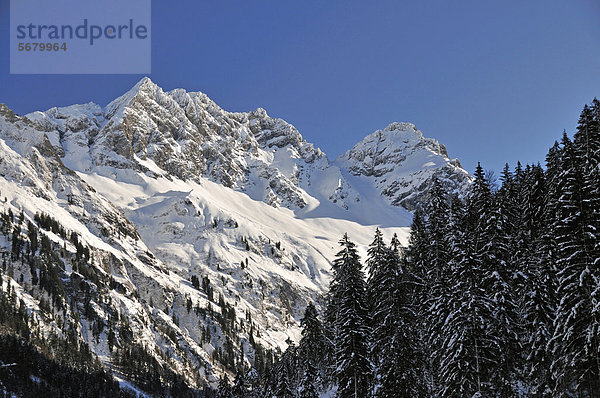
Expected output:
{"points": [[587, 138], [382, 275], [538, 297], [349, 310], [284, 374], [33, 237], [508, 197], [496, 262], [224, 388], [17, 243], [539, 310], [416, 254], [575, 344], [587, 146], [476, 346], [440, 224], [309, 380], [437, 227], [241, 387], [459, 350], [394, 349], [315, 352]]}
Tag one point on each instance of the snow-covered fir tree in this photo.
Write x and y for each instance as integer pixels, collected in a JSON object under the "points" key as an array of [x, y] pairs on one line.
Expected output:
{"points": [[539, 291], [353, 367], [464, 352], [576, 341], [395, 351], [314, 354]]}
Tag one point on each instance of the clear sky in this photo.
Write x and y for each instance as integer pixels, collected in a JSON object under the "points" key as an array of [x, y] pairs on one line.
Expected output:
{"points": [[494, 81]]}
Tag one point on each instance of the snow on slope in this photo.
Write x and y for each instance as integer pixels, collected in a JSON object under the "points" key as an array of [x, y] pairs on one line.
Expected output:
{"points": [[201, 229]]}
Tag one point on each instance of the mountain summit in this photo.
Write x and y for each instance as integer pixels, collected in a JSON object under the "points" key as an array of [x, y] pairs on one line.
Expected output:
{"points": [[400, 163]]}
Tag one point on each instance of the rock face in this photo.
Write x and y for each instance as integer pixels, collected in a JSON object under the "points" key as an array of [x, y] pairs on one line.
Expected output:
{"points": [[186, 135], [167, 188], [401, 164]]}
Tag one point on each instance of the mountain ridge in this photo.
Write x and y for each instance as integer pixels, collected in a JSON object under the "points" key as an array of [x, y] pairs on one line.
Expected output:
{"points": [[186, 133]]}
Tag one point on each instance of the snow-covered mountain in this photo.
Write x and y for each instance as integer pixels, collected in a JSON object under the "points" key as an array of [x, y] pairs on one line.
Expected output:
{"points": [[400, 163], [209, 231]]}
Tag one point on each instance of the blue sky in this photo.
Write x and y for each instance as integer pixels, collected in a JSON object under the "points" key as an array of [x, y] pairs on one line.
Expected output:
{"points": [[494, 81]]}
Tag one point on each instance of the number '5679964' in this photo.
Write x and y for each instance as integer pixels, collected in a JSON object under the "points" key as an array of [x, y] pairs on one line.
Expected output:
{"points": [[42, 47]]}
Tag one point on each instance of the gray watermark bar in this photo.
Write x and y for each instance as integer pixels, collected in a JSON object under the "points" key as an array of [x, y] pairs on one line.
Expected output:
{"points": [[80, 36]]}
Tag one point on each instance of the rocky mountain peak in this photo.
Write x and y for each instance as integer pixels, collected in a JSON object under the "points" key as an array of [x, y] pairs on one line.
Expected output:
{"points": [[402, 126], [401, 163]]}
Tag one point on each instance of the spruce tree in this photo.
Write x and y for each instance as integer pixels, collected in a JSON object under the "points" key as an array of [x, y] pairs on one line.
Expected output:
{"points": [[495, 260], [477, 344], [538, 296], [508, 197], [437, 228], [459, 352], [575, 344], [314, 353], [380, 273], [308, 381], [284, 374], [224, 389], [539, 309], [348, 307], [433, 310], [394, 350], [240, 387], [587, 138], [460, 349], [416, 257], [587, 146]]}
